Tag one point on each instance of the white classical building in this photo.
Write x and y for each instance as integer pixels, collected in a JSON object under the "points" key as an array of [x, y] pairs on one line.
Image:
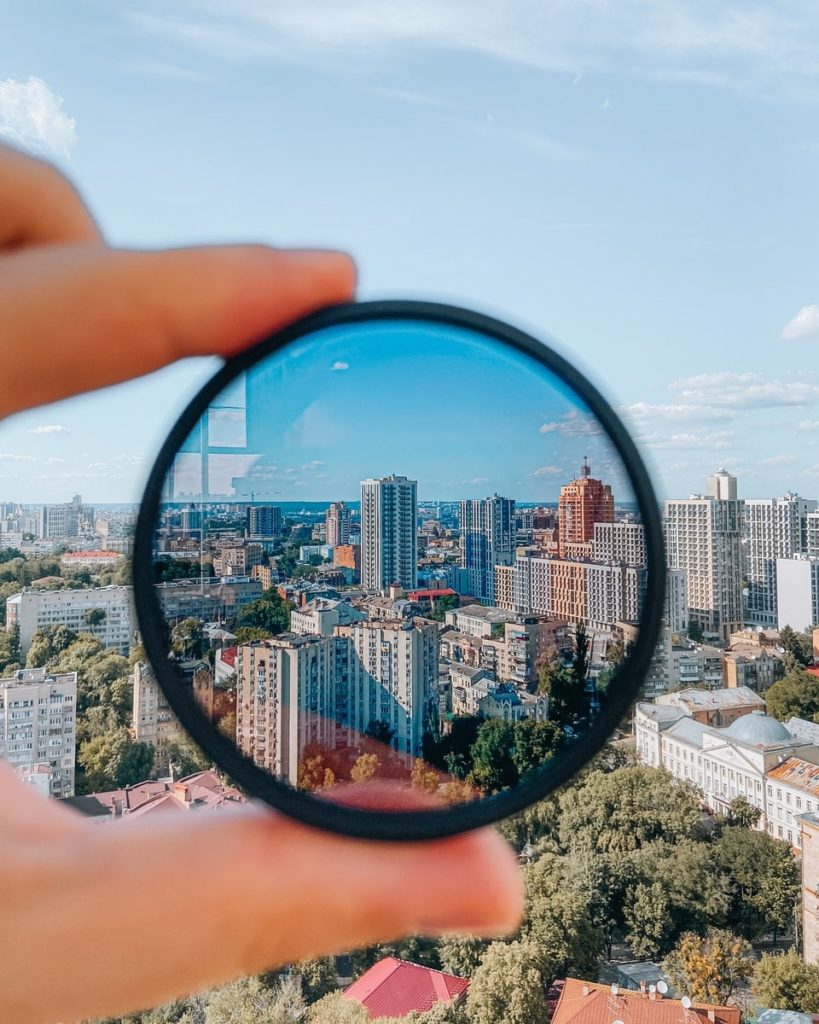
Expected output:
{"points": [[104, 612], [732, 762]]}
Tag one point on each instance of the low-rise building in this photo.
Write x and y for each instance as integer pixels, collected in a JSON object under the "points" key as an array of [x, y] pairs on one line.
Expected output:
{"points": [[321, 616], [809, 825], [792, 790], [396, 988], [479, 620], [211, 599], [714, 707], [201, 791], [91, 559], [584, 1002]]}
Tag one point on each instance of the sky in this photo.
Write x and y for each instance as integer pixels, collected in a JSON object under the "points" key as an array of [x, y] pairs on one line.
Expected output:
{"points": [[635, 181], [436, 403]]}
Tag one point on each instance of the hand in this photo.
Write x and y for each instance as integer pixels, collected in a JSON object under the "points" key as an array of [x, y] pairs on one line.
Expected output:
{"points": [[103, 919]]}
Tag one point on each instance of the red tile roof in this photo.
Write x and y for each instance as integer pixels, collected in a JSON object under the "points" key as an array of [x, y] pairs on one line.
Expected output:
{"points": [[421, 595], [228, 655], [796, 772], [394, 988], [583, 1002]]}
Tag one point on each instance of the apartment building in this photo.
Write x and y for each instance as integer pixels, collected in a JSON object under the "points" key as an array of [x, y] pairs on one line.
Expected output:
{"points": [[389, 526], [107, 613], [487, 539]]}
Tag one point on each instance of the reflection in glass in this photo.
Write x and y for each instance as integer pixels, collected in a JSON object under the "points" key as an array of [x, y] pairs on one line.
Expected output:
{"points": [[402, 557]]}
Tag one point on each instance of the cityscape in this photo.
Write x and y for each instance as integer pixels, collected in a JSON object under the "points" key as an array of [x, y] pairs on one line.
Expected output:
{"points": [[452, 646]]}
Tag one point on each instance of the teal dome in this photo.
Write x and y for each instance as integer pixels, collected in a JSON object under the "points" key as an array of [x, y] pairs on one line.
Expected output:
{"points": [[759, 730]]}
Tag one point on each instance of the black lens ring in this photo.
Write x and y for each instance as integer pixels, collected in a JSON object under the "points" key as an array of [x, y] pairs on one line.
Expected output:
{"points": [[400, 825]]}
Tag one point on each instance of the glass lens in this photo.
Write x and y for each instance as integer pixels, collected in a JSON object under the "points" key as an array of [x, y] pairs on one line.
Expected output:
{"points": [[399, 563]]}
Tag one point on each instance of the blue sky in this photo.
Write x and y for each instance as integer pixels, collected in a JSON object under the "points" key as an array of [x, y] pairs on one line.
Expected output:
{"points": [[440, 405], [638, 181]]}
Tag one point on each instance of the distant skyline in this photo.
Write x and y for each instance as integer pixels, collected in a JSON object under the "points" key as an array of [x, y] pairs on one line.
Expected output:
{"points": [[636, 180]]}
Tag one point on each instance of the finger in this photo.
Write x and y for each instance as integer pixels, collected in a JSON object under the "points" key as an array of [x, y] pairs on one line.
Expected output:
{"points": [[28, 815], [74, 318], [211, 898], [39, 204]]}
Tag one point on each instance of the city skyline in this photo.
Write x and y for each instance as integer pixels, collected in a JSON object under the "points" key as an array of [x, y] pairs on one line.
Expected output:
{"points": [[602, 188]]}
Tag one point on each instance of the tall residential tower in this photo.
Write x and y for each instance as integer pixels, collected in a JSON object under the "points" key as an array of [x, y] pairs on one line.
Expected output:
{"points": [[487, 540], [389, 524]]}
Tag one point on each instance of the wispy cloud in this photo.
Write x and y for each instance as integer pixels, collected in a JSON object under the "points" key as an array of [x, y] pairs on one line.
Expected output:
{"points": [[14, 457], [803, 327], [49, 428], [339, 366], [573, 424], [687, 41], [476, 480], [778, 460], [729, 390], [714, 440], [32, 117], [547, 471]]}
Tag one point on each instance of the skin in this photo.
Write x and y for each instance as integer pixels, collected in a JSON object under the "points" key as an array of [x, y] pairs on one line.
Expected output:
{"points": [[101, 920]]}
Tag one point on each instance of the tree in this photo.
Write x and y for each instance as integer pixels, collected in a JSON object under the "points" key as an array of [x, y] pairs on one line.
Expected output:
{"points": [[534, 743], [249, 1001], [365, 768], [336, 1009], [188, 639], [580, 660], [185, 757], [461, 954], [269, 612], [9, 648], [567, 695], [247, 634], [47, 643], [491, 754], [423, 777], [796, 695], [695, 632], [709, 968], [785, 982], [93, 617], [798, 645], [318, 977], [743, 813], [648, 920], [112, 760], [381, 732], [442, 605], [508, 987], [763, 881]]}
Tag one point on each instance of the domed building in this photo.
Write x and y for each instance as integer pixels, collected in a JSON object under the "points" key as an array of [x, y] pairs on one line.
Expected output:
{"points": [[755, 757]]}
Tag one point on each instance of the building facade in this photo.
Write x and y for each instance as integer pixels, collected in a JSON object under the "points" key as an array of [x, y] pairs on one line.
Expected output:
{"points": [[772, 529], [38, 726], [703, 538], [583, 503], [104, 612], [264, 521], [797, 592], [337, 525], [211, 600], [389, 526], [487, 539]]}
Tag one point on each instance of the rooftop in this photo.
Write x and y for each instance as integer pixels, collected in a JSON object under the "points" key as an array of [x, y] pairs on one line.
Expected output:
{"points": [[758, 730], [394, 988], [486, 612], [714, 700], [795, 772], [583, 1002], [806, 732]]}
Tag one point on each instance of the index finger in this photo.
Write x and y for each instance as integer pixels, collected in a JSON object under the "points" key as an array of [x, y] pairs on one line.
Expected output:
{"points": [[78, 317]]}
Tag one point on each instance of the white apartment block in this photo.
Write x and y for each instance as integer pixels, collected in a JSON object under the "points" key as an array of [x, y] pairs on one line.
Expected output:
{"points": [[676, 600], [724, 764], [487, 539], [389, 526], [37, 609], [320, 617], [479, 620], [212, 600], [797, 592], [38, 726], [620, 543], [772, 528], [298, 693], [703, 538]]}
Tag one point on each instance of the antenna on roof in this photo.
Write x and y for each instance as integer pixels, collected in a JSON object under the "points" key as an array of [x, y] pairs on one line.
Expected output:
{"points": [[652, 989]]}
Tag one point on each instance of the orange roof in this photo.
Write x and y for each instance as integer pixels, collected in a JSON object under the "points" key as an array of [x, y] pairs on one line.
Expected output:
{"points": [[796, 772], [583, 1002], [394, 988], [92, 554]]}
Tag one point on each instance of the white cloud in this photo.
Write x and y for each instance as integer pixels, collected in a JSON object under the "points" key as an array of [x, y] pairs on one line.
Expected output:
{"points": [[476, 480], [715, 440], [646, 413], [728, 390], [339, 365], [727, 44], [547, 471], [49, 428], [807, 425], [13, 457], [803, 327], [314, 464], [573, 424], [778, 460], [32, 116]]}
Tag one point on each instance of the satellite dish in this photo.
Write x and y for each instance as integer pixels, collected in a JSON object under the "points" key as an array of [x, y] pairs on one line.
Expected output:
{"points": [[662, 988], [686, 1003], [616, 1022], [652, 989]]}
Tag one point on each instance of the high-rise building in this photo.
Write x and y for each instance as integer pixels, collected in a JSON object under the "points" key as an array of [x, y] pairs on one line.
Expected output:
{"points": [[389, 524], [620, 543], [64, 520], [311, 693], [722, 485], [583, 503], [487, 539], [703, 537], [264, 521], [797, 592], [772, 528], [337, 524], [38, 725]]}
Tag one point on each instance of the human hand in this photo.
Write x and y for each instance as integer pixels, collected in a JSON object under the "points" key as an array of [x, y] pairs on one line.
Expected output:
{"points": [[99, 920]]}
